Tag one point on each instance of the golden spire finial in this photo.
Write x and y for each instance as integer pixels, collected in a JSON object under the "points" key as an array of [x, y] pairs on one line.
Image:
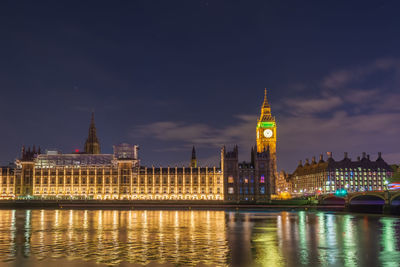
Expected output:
{"points": [[265, 108], [265, 103]]}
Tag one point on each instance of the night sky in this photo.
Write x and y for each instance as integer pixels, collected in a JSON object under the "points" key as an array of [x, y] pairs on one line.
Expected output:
{"points": [[167, 75]]}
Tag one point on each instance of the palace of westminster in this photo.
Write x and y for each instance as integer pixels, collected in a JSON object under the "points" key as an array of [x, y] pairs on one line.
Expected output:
{"points": [[93, 175]]}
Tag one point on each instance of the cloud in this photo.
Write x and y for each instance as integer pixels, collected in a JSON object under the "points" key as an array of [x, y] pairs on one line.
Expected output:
{"points": [[304, 106], [390, 103], [170, 130], [358, 96], [341, 78], [202, 135]]}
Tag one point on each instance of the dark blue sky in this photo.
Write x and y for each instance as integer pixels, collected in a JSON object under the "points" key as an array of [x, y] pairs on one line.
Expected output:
{"points": [[170, 74]]}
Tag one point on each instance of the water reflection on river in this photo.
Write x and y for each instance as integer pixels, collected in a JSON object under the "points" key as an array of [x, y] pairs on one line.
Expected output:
{"points": [[62, 237]]}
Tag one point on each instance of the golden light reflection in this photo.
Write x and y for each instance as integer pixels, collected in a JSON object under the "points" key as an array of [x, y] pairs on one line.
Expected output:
{"points": [[113, 237], [184, 238], [266, 240]]}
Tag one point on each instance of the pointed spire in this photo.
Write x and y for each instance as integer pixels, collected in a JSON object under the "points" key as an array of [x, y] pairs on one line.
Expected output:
{"points": [[92, 120], [193, 153], [92, 145], [265, 103], [265, 109]]}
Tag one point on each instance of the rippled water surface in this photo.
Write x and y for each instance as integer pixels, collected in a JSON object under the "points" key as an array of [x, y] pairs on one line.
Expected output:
{"points": [[184, 238]]}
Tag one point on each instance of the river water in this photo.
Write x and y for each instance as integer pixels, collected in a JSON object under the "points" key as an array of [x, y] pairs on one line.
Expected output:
{"points": [[204, 238]]}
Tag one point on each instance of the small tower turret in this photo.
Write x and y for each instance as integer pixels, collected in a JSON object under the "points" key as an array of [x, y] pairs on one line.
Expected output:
{"points": [[193, 161]]}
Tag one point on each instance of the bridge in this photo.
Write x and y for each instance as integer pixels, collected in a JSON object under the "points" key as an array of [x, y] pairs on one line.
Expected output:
{"points": [[371, 201]]}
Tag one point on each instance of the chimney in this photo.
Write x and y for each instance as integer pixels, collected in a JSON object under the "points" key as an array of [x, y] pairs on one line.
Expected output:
{"points": [[363, 155], [307, 161], [368, 157], [358, 158], [23, 152], [329, 154], [345, 155], [313, 160], [379, 155], [321, 157], [300, 163]]}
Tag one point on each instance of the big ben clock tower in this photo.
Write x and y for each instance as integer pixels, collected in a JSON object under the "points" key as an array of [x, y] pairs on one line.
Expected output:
{"points": [[266, 138], [266, 129]]}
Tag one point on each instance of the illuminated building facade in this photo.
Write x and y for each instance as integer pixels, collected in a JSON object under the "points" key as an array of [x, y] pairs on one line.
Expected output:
{"points": [[120, 176], [282, 183], [246, 181], [330, 175], [106, 176]]}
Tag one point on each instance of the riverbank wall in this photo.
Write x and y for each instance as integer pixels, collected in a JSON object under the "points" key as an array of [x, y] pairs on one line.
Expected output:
{"points": [[287, 205], [273, 205]]}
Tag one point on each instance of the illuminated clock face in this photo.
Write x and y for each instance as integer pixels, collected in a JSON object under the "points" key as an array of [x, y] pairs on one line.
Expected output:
{"points": [[268, 133]]}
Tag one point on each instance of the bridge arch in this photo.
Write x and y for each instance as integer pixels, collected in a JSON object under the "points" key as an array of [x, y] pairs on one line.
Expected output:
{"points": [[332, 200], [395, 196], [367, 196], [395, 203], [367, 202]]}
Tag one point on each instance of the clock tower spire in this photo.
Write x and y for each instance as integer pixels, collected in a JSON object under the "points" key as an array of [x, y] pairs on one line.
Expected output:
{"points": [[265, 109]]}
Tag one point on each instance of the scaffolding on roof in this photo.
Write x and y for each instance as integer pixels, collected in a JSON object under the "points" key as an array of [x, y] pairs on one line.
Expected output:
{"points": [[73, 160]]}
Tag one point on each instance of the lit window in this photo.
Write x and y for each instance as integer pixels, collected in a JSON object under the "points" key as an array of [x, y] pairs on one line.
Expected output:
{"points": [[262, 179], [262, 190], [230, 179], [230, 190]]}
